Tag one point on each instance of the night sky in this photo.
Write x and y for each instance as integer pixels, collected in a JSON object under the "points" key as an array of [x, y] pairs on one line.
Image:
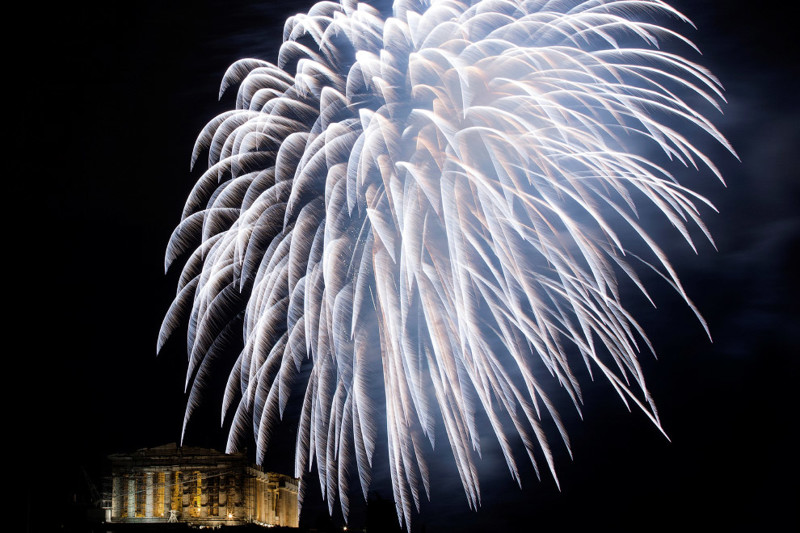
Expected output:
{"points": [[110, 97]]}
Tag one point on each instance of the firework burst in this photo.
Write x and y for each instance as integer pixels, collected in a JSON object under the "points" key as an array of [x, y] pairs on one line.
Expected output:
{"points": [[435, 209]]}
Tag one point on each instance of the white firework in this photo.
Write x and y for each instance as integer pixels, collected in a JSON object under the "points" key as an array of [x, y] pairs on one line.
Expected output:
{"points": [[435, 209]]}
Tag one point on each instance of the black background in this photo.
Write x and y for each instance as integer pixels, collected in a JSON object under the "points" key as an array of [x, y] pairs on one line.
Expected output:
{"points": [[106, 100]]}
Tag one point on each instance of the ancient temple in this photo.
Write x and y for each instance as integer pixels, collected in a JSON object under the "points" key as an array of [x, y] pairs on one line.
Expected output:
{"points": [[198, 486]]}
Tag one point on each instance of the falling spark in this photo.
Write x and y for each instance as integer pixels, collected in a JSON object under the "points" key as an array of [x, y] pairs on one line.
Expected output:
{"points": [[435, 209]]}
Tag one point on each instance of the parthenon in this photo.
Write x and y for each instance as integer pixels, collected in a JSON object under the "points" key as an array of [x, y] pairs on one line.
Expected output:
{"points": [[198, 486]]}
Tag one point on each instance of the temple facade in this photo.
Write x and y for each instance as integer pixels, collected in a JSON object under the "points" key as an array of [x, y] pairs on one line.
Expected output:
{"points": [[198, 486]]}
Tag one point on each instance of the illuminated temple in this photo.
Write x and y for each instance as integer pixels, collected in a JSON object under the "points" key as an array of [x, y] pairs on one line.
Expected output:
{"points": [[198, 486]]}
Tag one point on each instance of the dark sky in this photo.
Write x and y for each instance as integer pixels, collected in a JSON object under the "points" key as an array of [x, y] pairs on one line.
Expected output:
{"points": [[110, 97]]}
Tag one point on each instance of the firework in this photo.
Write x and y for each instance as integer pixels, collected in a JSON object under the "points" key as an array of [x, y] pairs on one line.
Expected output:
{"points": [[434, 211]]}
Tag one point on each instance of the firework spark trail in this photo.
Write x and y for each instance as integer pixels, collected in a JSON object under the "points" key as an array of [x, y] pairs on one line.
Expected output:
{"points": [[422, 190]]}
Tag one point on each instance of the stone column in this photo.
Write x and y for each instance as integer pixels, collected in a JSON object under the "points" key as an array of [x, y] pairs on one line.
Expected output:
{"points": [[148, 502], [116, 497], [167, 493], [132, 497]]}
